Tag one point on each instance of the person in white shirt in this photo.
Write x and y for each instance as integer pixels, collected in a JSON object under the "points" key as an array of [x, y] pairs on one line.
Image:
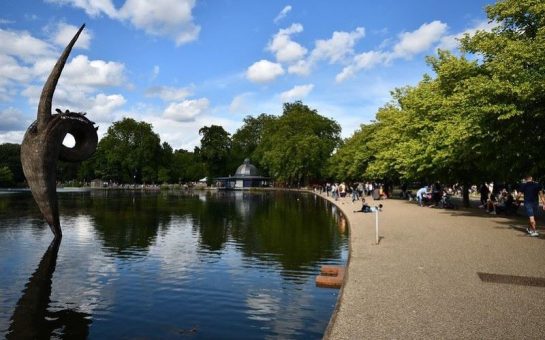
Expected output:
{"points": [[420, 194]]}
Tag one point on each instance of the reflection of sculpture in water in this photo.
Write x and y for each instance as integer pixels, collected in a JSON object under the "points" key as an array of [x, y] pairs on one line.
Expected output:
{"points": [[42, 145], [31, 319]]}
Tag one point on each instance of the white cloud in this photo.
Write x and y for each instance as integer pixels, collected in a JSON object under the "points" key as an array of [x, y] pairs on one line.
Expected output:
{"points": [[99, 106], [450, 42], [335, 50], [301, 67], [6, 92], [11, 70], [412, 43], [297, 92], [24, 46], [185, 134], [187, 110], [240, 104], [169, 94], [171, 18], [12, 136], [365, 60], [409, 44], [155, 72], [338, 47], [102, 106], [282, 14], [26, 61], [168, 18], [65, 32], [83, 71], [12, 119], [264, 71], [285, 49], [93, 8]]}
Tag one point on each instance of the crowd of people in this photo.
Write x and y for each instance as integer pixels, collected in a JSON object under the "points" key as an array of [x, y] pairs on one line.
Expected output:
{"points": [[494, 200], [355, 190]]}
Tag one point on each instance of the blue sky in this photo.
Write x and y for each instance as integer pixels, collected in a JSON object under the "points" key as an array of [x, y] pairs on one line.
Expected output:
{"points": [[184, 64]]}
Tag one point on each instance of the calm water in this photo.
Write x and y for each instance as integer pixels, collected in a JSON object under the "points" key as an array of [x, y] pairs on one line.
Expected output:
{"points": [[163, 265]]}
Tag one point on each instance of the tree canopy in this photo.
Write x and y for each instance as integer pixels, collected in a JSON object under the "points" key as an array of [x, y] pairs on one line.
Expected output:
{"points": [[215, 150], [295, 146], [479, 117]]}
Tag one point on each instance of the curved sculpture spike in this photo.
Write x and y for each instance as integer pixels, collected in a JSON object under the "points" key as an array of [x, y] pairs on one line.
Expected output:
{"points": [[42, 145]]}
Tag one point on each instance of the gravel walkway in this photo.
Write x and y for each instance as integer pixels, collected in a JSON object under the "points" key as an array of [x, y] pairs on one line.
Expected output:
{"points": [[422, 282]]}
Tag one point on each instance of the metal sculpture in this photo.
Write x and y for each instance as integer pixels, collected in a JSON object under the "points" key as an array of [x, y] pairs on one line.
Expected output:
{"points": [[42, 145]]}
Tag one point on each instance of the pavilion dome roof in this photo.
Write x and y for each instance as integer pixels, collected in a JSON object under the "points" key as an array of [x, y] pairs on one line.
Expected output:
{"points": [[246, 169]]}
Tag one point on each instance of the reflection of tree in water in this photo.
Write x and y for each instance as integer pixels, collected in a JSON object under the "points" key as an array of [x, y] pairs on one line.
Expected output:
{"points": [[19, 206], [215, 218], [293, 229], [129, 221], [32, 320]]}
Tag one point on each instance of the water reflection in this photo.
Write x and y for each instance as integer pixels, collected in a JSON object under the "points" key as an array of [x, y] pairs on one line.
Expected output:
{"points": [[267, 227], [31, 318], [225, 264]]}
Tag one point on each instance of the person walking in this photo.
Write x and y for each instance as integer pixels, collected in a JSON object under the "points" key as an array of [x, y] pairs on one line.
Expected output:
{"points": [[355, 194], [533, 193], [484, 191]]}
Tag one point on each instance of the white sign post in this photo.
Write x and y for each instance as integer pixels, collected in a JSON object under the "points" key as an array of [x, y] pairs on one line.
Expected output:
{"points": [[376, 224]]}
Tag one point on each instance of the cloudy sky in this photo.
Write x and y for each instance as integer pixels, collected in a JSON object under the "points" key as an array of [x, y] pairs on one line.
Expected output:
{"points": [[184, 64]]}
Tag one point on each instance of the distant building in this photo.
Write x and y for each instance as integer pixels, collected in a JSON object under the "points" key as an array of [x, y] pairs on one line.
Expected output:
{"points": [[97, 183], [245, 177]]}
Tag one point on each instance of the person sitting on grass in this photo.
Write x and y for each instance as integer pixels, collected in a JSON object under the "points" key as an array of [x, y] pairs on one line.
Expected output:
{"points": [[366, 208]]}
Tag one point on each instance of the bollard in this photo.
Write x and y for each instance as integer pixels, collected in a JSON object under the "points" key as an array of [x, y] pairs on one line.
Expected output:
{"points": [[377, 210], [376, 225]]}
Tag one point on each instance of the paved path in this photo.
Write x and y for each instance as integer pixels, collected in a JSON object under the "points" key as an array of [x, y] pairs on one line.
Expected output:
{"points": [[421, 281]]}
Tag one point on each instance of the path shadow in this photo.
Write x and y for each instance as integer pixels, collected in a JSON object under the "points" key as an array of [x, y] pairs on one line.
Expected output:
{"points": [[516, 222]]}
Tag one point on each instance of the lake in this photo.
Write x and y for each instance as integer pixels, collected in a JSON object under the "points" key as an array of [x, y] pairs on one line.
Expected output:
{"points": [[166, 265]]}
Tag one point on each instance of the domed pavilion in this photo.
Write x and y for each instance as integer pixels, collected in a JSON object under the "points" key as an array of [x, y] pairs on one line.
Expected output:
{"points": [[245, 177]]}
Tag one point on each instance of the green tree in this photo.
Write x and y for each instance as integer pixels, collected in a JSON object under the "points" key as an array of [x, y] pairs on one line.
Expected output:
{"points": [[351, 159], [479, 118], [247, 138], [215, 150], [10, 156], [6, 177], [187, 166], [165, 171], [295, 146], [512, 79], [130, 151]]}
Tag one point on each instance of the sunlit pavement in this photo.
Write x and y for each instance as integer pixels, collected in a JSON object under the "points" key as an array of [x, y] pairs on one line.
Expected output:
{"points": [[440, 274]]}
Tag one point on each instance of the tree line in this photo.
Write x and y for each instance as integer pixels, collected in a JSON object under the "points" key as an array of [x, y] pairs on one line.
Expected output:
{"points": [[292, 148], [479, 116]]}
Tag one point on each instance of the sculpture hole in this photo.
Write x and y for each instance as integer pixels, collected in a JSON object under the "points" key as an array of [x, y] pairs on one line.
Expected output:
{"points": [[69, 141]]}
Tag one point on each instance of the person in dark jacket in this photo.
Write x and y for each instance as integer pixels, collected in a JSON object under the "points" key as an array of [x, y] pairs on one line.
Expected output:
{"points": [[533, 193]]}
